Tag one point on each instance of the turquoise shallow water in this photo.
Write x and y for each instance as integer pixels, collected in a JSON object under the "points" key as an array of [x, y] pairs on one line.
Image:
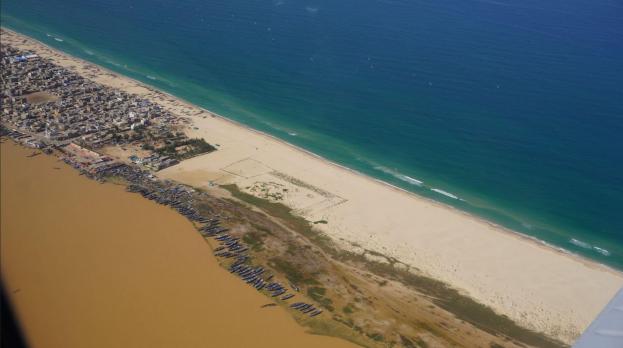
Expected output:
{"points": [[512, 110]]}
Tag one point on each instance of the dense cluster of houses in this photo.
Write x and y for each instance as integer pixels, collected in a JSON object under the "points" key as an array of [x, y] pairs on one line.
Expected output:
{"points": [[55, 106], [49, 107]]}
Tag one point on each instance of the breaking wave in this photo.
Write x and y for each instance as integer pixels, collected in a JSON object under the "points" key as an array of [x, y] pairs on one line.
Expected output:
{"points": [[54, 37], [445, 193], [399, 176], [588, 246], [580, 243], [604, 252]]}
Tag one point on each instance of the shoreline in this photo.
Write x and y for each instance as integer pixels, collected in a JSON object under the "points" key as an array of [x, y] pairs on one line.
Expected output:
{"points": [[135, 259], [586, 260], [467, 328], [407, 195]]}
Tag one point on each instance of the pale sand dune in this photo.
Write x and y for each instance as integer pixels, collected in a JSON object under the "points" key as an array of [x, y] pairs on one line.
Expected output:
{"points": [[536, 285], [89, 265]]}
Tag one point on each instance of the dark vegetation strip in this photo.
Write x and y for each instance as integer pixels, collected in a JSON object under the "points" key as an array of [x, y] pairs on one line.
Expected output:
{"points": [[464, 307]]}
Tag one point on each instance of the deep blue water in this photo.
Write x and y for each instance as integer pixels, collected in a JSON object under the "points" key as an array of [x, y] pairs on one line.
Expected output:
{"points": [[514, 106]]}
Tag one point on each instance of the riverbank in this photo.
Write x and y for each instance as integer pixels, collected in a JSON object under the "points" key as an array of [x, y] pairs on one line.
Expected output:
{"points": [[88, 264], [535, 285]]}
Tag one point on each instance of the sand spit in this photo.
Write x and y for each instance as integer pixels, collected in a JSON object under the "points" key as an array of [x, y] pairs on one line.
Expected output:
{"points": [[538, 286], [535, 285], [90, 265]]}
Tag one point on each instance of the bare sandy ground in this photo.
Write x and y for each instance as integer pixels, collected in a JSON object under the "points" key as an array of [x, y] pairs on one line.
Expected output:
{"points": [[90, 265], [536, 285]]}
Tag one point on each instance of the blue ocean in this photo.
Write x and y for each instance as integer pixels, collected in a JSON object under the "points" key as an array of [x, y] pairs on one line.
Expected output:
{"points": [[508, 109]]}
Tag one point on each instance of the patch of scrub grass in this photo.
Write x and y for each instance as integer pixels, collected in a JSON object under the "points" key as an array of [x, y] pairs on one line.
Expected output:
{"points": [[291, 271], [254, 241], [349, 322], [348, 309], [463, 307], [317, 294], [284, 213], [264, 231], [421, 343], [406, 342], [450, 299], [336, 329], [375, 336]]}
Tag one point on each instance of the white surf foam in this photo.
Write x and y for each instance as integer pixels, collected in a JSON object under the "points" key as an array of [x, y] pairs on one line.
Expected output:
{"points": [[54, 37], [398, 175], [445, 193], [604, 252], [410, 180], [588, 246], [580, 243]]}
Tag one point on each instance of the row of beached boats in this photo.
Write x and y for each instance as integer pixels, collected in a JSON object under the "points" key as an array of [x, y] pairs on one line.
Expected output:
{"points": [[175, 197], [232, 247], [306, 308], [181, 199]]}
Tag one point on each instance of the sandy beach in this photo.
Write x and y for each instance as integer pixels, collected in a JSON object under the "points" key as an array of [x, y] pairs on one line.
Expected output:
{"points": [[90, 265], [538, 286], [534, 284]]}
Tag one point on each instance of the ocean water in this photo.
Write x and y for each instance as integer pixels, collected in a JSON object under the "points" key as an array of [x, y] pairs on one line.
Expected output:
{"points": [[508, 109]]}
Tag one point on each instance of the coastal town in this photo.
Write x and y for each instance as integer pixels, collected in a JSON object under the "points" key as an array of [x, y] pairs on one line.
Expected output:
{"points": [[50, 106], [378, 174], [53, 110]]}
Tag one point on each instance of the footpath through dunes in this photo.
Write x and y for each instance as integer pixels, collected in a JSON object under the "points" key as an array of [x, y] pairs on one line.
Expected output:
{"points": [[89, 265]]}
